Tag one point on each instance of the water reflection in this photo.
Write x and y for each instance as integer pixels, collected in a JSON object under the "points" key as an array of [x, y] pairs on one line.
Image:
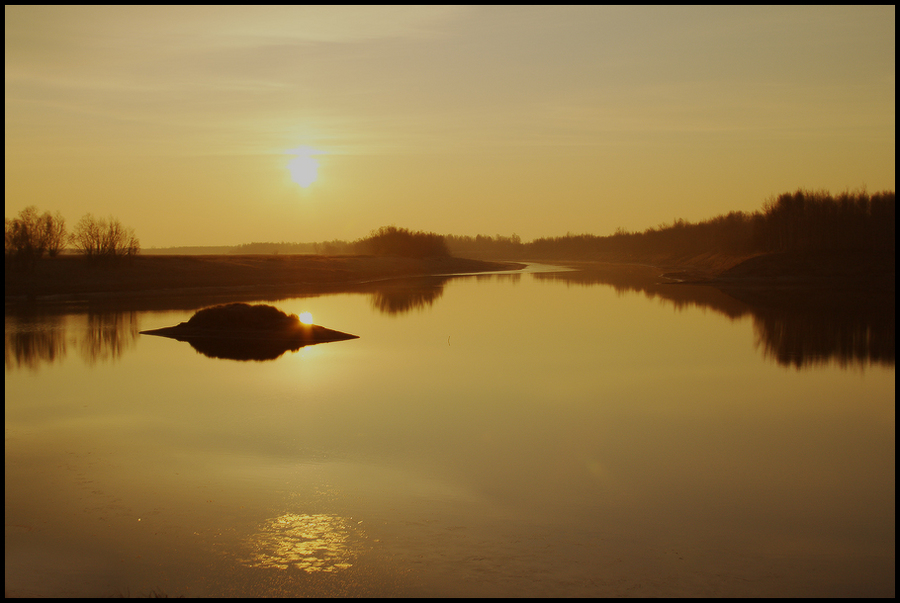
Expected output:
{"points": [[240, 350], [32, 338], [798, 329], [645, 280], [507, 277], [310, 543], [808, 339], [258, 350], [404, 295], [108, 335]]}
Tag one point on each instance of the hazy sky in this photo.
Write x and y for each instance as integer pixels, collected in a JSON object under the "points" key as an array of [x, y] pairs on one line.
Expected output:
{"points": [[532, 120]]}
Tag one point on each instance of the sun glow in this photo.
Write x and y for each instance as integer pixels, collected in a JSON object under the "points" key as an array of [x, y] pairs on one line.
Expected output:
{"points": [[303, 168], [306, 318]]}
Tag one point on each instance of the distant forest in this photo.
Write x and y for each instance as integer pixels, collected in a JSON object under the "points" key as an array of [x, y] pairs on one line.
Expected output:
{"points": [[387, 240], [805, 221], [799, 221]]}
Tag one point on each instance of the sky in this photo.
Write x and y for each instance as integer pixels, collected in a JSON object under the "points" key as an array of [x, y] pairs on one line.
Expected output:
{"points": [[229, 125]]}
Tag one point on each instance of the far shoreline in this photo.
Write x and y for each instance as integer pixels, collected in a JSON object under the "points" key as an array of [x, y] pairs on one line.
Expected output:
{"points": [[72, 279], [69, 278]]}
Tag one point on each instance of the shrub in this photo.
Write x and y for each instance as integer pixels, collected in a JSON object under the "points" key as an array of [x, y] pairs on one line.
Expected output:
{"points": [[390, 240], [102, 238], [27, 237]]}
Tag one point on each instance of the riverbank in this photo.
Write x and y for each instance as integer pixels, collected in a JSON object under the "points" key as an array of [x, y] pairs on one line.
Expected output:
{"points": [[838, 281], [72, 278], [766, 276], [845, 282], [823, 270]]}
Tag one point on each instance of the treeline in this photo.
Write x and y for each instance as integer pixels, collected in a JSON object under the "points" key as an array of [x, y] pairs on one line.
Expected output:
{"points": [[32, 234], [798, 221], [272, 248], [731, 234], [807, 220], [485, 246], [387, 240]]}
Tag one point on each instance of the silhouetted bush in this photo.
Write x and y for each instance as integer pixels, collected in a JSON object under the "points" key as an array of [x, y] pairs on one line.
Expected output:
{"points": [[30, 235], [99, 238], [245, 316], [390, 240]]}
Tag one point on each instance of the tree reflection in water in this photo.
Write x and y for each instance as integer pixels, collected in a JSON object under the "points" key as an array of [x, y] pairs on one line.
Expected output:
{"points": [[37, 338], [108, 335], [33, 339], [404, 295], [803, 339], [398, 296], [800, 328]]}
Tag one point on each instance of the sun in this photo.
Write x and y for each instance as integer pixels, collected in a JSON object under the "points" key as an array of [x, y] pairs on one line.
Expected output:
{"points": [[303, 168], [306, 318]]}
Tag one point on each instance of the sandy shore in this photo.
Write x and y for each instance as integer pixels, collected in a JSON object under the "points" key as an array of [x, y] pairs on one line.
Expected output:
{"points": [[71, 278]]}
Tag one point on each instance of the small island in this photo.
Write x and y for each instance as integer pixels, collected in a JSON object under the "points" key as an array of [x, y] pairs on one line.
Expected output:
{"points": [[240, 331]]}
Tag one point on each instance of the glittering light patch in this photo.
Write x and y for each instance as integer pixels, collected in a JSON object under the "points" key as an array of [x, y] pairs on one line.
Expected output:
{"points": [[311, 543]]}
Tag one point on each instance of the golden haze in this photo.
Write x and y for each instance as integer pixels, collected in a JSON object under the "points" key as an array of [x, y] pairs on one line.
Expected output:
{"points": [[533, 120]]}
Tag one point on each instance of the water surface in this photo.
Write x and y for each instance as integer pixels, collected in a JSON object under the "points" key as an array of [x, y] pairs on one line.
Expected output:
{"points": [[551, 434]]}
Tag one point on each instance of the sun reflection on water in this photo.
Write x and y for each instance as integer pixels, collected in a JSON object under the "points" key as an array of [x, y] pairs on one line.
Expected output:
{"points": [[311, 543]]}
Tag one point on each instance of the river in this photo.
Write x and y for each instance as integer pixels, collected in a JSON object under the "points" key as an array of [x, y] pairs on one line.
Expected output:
{"points": [[537, 433]]}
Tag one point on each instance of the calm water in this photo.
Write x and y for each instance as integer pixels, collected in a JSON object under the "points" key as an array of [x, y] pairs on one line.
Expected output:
{"points": [[529, 434]]}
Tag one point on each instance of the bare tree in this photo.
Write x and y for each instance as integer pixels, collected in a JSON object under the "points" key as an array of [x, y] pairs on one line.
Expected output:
{"points": [[104, 238], [54, 232], [86, 236], [23, 234], [27, 237]]}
